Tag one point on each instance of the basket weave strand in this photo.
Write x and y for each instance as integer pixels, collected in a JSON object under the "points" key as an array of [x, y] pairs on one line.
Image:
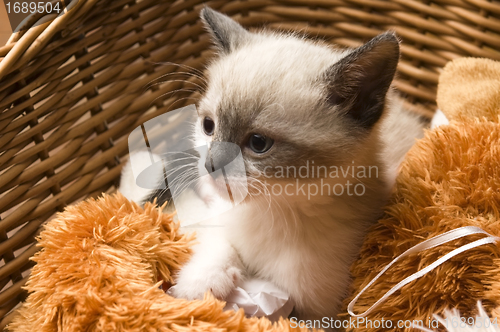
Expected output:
{"points": [[73, 86]]}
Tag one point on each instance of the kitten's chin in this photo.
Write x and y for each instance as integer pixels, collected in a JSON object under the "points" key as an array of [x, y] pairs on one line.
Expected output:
{"points": [[220, 189]]}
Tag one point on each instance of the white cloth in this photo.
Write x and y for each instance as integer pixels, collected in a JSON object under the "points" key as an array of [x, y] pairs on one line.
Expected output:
{"points": [[260, 298]]}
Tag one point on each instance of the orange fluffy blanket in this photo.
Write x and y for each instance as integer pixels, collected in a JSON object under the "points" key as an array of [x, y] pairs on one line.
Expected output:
{"points": [[100, 268]]}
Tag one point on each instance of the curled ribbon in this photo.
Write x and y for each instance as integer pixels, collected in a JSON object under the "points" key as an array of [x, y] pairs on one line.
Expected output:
{"points": [[427, 244]]}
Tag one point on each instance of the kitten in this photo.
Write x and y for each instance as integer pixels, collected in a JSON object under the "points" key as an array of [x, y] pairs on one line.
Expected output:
{"points": [[290, 102]]}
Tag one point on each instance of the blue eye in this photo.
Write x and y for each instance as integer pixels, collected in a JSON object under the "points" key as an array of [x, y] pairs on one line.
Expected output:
{"points": [[259, 143], [208, 126]]}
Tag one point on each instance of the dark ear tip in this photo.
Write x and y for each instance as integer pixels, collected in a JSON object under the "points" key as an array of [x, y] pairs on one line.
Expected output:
{"points": [[390, 37], [205, 12], [387, 37], [388, 43]]}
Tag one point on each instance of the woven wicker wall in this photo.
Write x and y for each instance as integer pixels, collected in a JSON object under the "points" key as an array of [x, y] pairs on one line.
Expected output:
{"points": [[73, 87]]}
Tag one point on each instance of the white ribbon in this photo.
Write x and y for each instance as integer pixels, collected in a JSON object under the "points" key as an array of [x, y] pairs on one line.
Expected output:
{"points": [[427, 244]]}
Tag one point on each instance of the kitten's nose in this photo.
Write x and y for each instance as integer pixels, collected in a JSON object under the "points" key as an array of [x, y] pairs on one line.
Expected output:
{"points": [[220, 154]]}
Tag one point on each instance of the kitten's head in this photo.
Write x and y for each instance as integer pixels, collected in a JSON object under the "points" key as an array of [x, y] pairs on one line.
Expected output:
{"points": [[284, 100]]}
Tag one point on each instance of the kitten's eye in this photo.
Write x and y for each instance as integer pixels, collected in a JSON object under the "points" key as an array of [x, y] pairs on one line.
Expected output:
{"points": [[208, 126], [259, 143]]}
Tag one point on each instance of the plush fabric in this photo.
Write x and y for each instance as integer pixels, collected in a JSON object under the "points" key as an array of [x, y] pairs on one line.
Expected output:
{"points": [[470, 87], [100, 268], [450, 178], [454, 321]]}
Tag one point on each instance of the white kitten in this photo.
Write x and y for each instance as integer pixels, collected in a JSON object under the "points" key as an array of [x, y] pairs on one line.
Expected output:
{"points": [[293, 104]]}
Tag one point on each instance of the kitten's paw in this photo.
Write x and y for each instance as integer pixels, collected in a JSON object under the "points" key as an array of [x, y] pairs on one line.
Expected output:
{"points": [[194, 284]]}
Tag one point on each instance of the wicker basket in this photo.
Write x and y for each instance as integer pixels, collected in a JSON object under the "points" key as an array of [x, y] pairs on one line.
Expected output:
{"points": [[73, 87]]}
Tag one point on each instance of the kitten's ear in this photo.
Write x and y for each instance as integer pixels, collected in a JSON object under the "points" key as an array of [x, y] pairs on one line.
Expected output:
{"points": [[359, 82], [227, 34]]}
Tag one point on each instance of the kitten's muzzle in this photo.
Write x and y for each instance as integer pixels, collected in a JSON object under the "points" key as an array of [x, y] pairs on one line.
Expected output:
{"points": [[221, 155]]}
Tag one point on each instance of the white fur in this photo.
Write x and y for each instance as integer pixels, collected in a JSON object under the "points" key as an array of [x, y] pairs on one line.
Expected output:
{"points": [[303, 246], [128, 186], [400, 131], [220, 265], [439, 119]]}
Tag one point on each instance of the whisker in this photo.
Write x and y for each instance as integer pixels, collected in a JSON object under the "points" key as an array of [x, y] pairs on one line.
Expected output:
{"points": [[167, 63], [201, 78], [179, 100], [180, 185], [151, 84], [170, 92]]}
